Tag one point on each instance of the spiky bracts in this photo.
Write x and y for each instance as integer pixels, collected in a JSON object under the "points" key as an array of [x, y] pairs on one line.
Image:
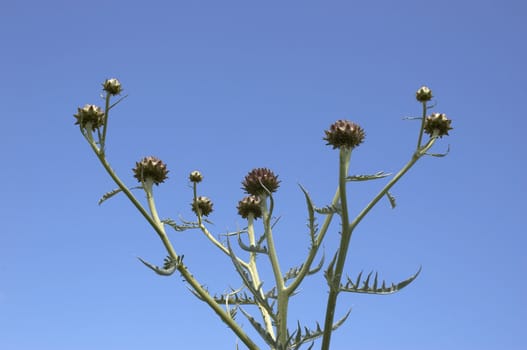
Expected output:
{"points": [[150, 167], [112, 86], [195, 177], [344, 133], [439, 123], [89, 115], [250, 205], [423, 94], [260, 181], [202, 205]]}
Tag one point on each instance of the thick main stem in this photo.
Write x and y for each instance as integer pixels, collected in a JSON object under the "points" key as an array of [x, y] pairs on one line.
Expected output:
{"points": [[255, 275], [336, 274], [283, 297]]}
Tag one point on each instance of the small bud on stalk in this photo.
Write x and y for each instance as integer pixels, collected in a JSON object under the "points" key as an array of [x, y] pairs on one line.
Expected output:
{"points": [[344, 133], [424, 94], [112, 86], [202, 204], [259, 181], [439, 122], [150, 167], [195, 176], [90, 114], [250, 205]]}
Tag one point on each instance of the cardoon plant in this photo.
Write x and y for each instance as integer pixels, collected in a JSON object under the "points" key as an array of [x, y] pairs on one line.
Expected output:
{"points": [[269, 306]]}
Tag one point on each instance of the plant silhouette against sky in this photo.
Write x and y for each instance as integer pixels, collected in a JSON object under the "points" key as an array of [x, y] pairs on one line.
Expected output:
{"points": [[257, 239]]}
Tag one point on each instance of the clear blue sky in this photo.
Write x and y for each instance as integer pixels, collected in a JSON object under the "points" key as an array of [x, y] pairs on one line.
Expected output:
{"points": [[226, 86]]}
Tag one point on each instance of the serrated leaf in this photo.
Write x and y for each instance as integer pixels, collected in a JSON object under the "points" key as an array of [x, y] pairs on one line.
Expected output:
{"points": [[112, 193], [352, 287], [261, 330], [377, 175], [328, 273], [251, 248], [180, 228], [391, 198], [319, 266], [234, 298], [247, 281], [329, 209], [311, 335], [311, 215], [168, 269]]}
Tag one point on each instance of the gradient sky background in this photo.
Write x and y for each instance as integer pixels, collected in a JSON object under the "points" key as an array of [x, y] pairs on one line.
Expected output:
{"points": [[226, 86]]}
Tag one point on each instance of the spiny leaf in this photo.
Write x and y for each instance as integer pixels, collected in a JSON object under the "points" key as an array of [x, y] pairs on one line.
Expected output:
{"points": [[235, 298], [311, 335], [233, 312], [261, 330], [180, 228], [271, 294], [112, 193], [251, 248], [247, 280], [311, 215], [350, 286], [377, 175], [329, 209], [292, 272], [341, 321], [168, 268], [391, 198], [319, 266], [329, 271]]}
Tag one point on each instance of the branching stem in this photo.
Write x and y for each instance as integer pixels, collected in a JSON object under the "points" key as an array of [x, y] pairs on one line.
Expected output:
{"points": [[159, 229]]}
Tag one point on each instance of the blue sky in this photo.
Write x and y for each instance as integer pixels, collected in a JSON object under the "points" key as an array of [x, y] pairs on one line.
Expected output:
{"points": [[228, 86]]}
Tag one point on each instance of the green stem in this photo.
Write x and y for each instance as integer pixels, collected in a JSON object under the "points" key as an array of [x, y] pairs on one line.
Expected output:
{"points": [[330, 311], [102, 140], [423, 118], [283, 297], [158, 228], [209, 235], [336, 274], [253, 270], [314, 249]]}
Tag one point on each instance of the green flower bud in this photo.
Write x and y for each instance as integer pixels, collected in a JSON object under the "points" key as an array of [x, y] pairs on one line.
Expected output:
{"points": [[150, 167], [344, 133], [195, 176], [250, 204], [112, 86], [89, 114], [437, 122], [253, 182], [424, 94], [203, 205]]}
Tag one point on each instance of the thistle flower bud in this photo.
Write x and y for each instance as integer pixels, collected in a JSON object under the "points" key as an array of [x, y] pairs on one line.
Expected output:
{"points": [[344, 133], [259, 181], [439, 122], [248, 205], [424, 94], [202, 204], [150, 167], [195, 176], [112, 86], [89, 114]]}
